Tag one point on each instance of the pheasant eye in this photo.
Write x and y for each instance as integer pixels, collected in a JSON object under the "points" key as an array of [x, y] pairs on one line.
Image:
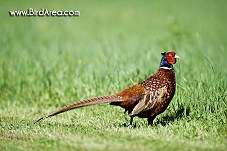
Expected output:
{"points": [[171, 54]]}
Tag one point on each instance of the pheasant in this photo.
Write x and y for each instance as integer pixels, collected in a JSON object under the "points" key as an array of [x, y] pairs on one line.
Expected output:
{"points": [[146, 99]]}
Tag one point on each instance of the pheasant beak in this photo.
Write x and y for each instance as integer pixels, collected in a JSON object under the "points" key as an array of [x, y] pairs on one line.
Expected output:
{"points": [[176, 57]]}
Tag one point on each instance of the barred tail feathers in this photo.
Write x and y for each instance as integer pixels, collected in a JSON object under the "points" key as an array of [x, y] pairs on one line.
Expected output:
{"points": [[83, 103]]}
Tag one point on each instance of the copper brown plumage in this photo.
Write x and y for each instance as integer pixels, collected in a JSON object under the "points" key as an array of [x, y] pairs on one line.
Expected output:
{"points": [[146, 99]]}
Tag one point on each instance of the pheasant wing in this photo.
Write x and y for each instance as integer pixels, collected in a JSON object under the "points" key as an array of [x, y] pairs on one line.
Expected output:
{"points": [[150, 100]]}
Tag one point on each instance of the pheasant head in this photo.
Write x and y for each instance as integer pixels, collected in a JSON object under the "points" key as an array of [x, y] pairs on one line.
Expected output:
{"points": [[168, 59]]}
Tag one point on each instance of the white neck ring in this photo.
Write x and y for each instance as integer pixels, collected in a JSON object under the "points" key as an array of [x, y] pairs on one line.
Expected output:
{"points": [[165, 68]]}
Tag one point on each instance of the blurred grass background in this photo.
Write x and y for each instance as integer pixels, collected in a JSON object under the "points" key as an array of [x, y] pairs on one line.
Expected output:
{"points": [[49, 62]]}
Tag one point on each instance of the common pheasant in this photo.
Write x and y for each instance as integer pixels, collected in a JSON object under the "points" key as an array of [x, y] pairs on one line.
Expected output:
{"points": [[146, 99]]}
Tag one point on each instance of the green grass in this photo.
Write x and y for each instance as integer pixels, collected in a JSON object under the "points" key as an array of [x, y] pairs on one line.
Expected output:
{"points": [[49, 62]]}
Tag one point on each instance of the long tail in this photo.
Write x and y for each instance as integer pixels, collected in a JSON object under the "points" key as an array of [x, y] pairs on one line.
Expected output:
{"points": [[87, 102]]}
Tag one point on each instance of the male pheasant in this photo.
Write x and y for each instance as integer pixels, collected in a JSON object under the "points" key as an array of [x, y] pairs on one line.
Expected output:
{"points": [[145, 100]]}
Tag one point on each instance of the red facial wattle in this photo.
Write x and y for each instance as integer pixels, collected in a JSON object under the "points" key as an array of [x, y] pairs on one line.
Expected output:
{"points": [[170, 57]]}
